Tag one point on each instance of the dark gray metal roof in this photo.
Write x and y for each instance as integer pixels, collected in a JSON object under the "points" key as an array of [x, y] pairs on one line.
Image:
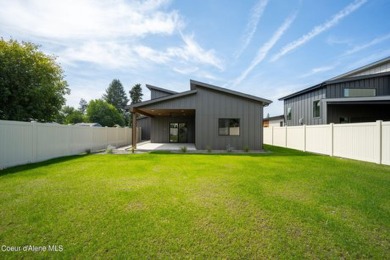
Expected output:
{"points": [[361, 69], [194, 84], [159, 100], [274, 117], [344, 78], [150, 87]]}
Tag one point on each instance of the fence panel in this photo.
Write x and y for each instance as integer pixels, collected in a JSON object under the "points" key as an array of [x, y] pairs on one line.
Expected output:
{"points": [[16, 146], [319, 139], [279, 137], [363, 141], [386, 143], [24, 142], [267, 138], [296, 137], [356, 141]]}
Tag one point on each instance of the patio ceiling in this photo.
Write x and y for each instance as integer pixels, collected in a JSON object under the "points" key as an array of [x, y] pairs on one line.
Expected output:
{"points": [[165, 112]]}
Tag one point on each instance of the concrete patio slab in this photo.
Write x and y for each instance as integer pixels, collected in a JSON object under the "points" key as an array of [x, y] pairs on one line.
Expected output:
{"points": [[148, 146]]}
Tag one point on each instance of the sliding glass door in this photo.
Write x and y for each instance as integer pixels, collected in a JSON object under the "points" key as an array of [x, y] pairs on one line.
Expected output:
{"points": [[178, 133]]}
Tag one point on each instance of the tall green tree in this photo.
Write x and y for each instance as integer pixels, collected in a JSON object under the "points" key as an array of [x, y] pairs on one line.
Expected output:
{"points": [[116, 95], [136, 94], [32, 84], [100, 111], [83, 104], [135, 97], [72, 115]]}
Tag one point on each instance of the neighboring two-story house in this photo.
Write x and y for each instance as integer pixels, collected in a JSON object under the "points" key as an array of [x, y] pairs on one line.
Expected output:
{"points": [[361, 95]]}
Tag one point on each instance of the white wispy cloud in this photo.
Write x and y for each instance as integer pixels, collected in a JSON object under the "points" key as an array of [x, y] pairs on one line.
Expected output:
{"points": [[107, 33], [85, 19], [318, 70], [319, 29], [256, 13], [368, 44], [263, 51], [192, 51]]}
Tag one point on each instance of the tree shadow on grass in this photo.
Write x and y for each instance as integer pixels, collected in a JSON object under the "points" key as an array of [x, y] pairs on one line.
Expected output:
{"points": [[30, 166]]}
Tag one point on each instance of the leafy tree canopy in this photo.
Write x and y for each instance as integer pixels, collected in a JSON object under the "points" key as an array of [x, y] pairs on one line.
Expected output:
{"points": [[136, 94], [70, 115], [32, 84], [99, 111], [116, 95]]}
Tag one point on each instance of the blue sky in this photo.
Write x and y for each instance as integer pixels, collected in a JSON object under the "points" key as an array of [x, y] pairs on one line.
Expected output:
{"points": [[267, 48]]}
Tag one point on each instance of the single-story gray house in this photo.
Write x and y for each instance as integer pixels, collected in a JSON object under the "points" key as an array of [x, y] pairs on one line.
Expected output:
{"points": [[206, 115], [361, 95], [273, 121]]}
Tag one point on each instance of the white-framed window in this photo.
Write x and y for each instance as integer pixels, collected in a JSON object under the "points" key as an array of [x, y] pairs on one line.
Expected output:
{"points": [[317, 108], [359, 92], [229, 126]]}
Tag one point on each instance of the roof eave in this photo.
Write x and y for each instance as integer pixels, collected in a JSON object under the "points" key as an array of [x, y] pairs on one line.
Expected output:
{"points": [[194, 83], [162, 99]]}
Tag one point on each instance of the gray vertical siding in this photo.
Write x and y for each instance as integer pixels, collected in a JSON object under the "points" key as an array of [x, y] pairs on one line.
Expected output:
{"points": [[212, 105], [381, 84], [154, 93], [145, 124], [302, 107]]}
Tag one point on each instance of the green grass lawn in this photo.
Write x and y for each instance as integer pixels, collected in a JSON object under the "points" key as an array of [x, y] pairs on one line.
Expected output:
{"points": [[284, 204]]}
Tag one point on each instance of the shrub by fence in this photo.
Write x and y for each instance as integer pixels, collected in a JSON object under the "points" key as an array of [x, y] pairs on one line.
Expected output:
{"points": [[24, 142], [363, 141]]}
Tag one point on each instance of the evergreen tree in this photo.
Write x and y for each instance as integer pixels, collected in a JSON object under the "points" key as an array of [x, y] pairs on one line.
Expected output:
{"points": [[116, 95], [83, 106], [136, 94]]}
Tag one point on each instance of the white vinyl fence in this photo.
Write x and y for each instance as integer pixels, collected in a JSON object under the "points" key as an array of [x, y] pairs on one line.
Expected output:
{"points": [[24, 142], [364, 141]]}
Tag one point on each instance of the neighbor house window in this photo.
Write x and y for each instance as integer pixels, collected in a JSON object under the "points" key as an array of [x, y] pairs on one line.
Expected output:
{"points": [[359, 92], [316, 108], [229, 126], [289, 113]]}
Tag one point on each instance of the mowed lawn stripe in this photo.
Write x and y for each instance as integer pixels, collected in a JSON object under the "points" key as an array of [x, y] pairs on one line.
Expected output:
{"points": [[284, 204]]}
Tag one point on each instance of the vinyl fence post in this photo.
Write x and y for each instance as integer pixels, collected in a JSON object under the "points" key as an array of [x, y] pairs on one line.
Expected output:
{"points": [[272, 135], [379, 138], [285, 137], [304, 138], [331, 139]]}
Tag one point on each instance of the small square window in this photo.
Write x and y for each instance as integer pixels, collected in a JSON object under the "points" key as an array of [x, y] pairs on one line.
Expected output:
{"points": [[229, 126], [317, 108]]}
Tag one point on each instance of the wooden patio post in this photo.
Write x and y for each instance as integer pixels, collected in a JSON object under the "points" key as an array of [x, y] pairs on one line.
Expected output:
{"points": [[134, 130]]}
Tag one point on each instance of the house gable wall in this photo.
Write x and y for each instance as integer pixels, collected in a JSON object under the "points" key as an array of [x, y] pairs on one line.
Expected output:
{"points": [[154, 93], [213, 105]]}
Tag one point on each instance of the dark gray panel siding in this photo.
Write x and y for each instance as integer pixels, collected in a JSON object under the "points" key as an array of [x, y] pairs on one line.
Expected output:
{"points": [[302, 107], [381, 84], [145, 124], [160, 128], [187, 102], [213, 105], [154, 93]]}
